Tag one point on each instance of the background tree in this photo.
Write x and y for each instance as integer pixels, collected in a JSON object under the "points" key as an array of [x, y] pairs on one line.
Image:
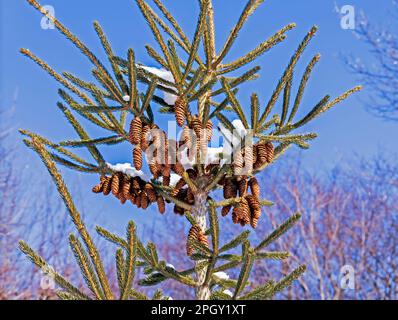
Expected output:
{"points": [[380, 74], [199, 88]]}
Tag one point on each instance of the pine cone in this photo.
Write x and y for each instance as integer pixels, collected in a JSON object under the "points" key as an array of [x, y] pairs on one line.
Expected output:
{"points": [[115, 185], [236, 214], [166, 181], [98, 188], [126, 189], [180, 184], [242, 186], [180, 109], [238, 163], [135, 131], [136, 183], [150, 192], [107, 186], [255, 187], [253, 202], [178, 210], [144, 200], [137, 157], [145, 137], [246, 213], [269, 152], [261, 154], [241, 213], [195, 234], [230, 188], [225, 210], [161, 204]]}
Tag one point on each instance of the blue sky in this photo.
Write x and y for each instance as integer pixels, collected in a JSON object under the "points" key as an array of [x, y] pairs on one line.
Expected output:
{"points": [[345, 131]]}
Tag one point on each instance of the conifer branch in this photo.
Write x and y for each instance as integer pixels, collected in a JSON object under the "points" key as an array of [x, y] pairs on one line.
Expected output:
{"points": [[251, 6], [76, 218], [47, 269], [86, 268]]}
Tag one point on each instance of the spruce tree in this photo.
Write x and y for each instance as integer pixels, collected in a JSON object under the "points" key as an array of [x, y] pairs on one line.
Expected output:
{"points": [[199, 86]]}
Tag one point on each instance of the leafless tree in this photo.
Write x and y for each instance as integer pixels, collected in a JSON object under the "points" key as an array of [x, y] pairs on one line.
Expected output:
{"points": [[380, 75]]}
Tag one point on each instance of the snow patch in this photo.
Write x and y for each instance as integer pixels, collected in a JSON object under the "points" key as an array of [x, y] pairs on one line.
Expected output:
{"points": [[165, 75], [221, 275], [174, 178], [228, 292], [127, 169]]}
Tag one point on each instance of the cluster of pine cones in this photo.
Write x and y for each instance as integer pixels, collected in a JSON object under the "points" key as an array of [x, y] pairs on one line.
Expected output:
{"points": [[123, 187], [159, 164], [249, 209]]}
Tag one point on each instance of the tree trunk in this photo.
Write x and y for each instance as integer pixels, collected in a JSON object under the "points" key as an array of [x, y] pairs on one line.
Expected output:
{"points": [[199, 212]]}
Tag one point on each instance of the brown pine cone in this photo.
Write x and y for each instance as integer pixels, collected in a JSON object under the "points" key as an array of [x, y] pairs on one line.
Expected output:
{"points": [[225, 210], [230, 188], [180, 109], [261, 154], [166, 181], [166, 174], [269, 152], [248, 157], [150, 192], [138, 200], [242, 186], [241, 213], [122, 198], [135, 131], [253, 202], [254, 223], [115, 185], [178, 210], [98, 188], [107, 187], [255, 187], [144, 200], [186, 136], [236, 214], [238, 163], [126, 189], [180, 184], [137, 157], [246, 213], [161, 204], [136, 183], [197, 126], [195, 234], [145, 137]]}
